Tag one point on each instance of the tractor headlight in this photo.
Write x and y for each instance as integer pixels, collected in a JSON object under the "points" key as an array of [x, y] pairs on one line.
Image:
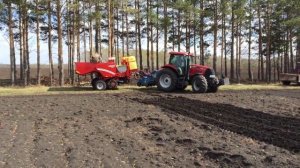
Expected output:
{"points": [[212, 76]]}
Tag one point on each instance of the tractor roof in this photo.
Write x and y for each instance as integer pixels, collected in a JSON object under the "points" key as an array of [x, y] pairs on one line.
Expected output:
{"points": [[180, 53]]}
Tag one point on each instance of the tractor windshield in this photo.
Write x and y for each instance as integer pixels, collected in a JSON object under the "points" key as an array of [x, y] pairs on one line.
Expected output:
{"points": [[181, 62], [178, 60]]}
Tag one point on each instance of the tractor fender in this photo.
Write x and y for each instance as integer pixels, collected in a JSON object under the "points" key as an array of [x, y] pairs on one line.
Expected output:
{"points": [[172, 67]]}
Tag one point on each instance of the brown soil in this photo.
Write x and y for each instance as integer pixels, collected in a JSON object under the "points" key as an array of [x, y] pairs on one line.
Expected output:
{"points": [[147, 128]]}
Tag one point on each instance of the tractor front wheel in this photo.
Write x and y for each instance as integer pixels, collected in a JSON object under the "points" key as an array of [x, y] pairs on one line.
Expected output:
{"points": [[166, 80], [99, 85], [213, 85], [199, 84]]}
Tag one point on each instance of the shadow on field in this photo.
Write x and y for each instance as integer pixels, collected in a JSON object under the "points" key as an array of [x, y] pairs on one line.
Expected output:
{"points": [[277, 130], [70, 89], [153, 89]]}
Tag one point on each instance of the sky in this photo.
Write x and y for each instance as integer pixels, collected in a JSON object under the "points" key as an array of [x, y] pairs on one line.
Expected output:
{"points": [[4, 50]]}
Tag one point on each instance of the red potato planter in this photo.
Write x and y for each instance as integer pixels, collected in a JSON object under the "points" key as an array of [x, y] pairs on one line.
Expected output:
{"points": [[107, 75]]}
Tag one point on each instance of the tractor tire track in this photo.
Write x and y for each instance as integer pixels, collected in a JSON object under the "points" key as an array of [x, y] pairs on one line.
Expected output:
{"points": [[279, 131]]}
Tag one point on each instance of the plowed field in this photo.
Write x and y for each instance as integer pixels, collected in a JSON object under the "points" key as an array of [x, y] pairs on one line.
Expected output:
{"points": [[147, 128]]}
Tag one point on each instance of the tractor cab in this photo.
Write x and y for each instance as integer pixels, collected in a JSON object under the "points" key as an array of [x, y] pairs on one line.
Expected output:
{"points": [[181, 62]]}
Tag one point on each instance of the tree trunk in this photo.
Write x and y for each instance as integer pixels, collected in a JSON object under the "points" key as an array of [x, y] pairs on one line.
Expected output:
{"points": [[139, 35], [268, 46], [278, 65], [97, 29], [165, 31], [260, 46], [24, 21], [215, 35], [26, 47], [135, 31], [91, 31], [38, 76], [225, 48], [292, 64], [111, 29], [232, 43], [21, 43], [117, 43], [194, 31], [237, 52], [240, 51], [187, 32], [151, 37], [127, 28], [11, 46], [157, 36], [73, 49], [78, 27], [69, 40], [148, 35], [179, 30], [249, 44], [202, 33], [122, 35], [223, 41], [274, 68], [298, 53], [173, 27], [51, 70], [60, 47]]}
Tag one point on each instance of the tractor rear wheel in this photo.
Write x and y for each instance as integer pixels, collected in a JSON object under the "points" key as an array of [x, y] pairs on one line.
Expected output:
{"points": [[199, 84], [166, 80], [99, 85]]}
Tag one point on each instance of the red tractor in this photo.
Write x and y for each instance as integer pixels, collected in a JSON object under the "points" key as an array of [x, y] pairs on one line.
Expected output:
{"points": [[180, 72], [107, 75]]}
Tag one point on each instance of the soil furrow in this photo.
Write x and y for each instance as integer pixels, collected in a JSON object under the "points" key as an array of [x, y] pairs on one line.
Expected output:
{"points": [[275, 134]]}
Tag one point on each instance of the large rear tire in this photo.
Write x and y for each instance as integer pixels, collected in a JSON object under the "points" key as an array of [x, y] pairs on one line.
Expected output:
{"points": [[199, 84], [99, 85], [166, 80]]}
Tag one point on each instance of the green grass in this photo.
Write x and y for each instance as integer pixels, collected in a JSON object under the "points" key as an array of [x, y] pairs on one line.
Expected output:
{"points": [[257, 87], [6, 91], [43, 90]]}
